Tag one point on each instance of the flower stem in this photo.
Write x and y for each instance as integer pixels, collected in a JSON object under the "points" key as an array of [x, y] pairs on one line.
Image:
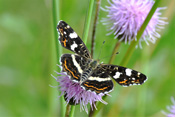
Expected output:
{"points": [[68, 109], [139, 34], [88, 20], [98, 2], [72, 111], [117, 45], [52, 105], [56, 17]]}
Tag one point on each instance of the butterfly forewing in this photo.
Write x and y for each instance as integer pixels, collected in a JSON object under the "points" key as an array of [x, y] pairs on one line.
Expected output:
{"points": [[70, 40], [124, 76]]}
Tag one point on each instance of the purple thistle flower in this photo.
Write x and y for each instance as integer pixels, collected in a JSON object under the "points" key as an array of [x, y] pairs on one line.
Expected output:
{"points": [[171, 109], [125, 18], [74, 94]]}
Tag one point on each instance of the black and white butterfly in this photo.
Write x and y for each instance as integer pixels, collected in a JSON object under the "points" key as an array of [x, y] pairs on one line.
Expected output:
{"points": [[92, 75]]}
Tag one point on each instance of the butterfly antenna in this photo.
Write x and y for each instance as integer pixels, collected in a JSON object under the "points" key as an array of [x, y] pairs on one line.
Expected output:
{"points": [[101, 49], [110, 55]]}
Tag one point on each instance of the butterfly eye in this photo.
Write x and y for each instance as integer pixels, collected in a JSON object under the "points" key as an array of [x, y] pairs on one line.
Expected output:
{"points": [[93, 64]]}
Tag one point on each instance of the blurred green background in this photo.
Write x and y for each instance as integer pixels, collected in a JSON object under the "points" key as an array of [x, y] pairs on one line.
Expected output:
{"points": [[28, 58]]}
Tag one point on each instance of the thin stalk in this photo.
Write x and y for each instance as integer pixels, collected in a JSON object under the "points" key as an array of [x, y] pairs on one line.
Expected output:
{"points": [[132, 46], [72, 111], [87, 21], [52, 105], [115, 50], [139, 34], [98, 2], [56, 17], [68, 109]]}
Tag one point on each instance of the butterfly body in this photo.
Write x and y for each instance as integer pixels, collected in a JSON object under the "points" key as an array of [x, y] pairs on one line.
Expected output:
{"points": [[89, 73]]}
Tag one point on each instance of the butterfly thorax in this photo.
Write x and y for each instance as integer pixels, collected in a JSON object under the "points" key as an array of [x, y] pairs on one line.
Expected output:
{"points": [[93, 64], [88, 71]]}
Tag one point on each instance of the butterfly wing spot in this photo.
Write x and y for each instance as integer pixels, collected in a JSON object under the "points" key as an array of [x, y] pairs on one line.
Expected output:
{"points": [[68, 26], [128, 72], [133, 78], [138, 74], [117, 75], [73, 35], [73, 46]]}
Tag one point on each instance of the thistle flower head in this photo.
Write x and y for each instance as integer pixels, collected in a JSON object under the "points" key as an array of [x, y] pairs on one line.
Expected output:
{"points": [[125, 18], [171, 109], [74, 94]]}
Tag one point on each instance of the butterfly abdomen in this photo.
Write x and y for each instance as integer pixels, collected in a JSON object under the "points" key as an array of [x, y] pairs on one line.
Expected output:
{"points": [[86, 74]]}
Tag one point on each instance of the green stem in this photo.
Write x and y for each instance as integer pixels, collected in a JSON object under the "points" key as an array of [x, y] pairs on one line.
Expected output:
{"points": [[56, 17], [68, 109], [139, 34], [98, 2], [52, 105], [87, 21], [72, 111]]}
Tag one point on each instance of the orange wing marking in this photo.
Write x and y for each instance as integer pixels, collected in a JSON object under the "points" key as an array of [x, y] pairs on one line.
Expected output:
{"points": [[96, 87], [123, 82], [61, 30], [137, 81], [64, 42], [69, 70]]}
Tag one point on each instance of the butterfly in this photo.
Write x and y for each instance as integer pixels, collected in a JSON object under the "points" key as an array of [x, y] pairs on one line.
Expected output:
{"points": [[89, 73]]}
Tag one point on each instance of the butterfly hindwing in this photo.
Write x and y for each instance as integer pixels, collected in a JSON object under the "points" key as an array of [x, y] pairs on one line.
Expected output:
{"points": [[70, 40], [73, 65], [124, 76], [98, 82]]}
